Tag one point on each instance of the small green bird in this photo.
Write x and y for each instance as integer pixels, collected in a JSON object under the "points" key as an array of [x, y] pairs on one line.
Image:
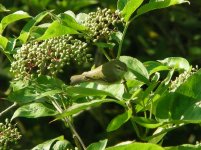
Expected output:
{"points": [[109, 72]]}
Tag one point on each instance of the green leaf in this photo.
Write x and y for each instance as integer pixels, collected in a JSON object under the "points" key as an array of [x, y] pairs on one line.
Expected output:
{"points": [[118, 121], [98, 145], [62, 145], [3, 9], [34, 110], [121, 4], [71, 22], [157, 4], [57, 29], [154, 66], [184, 147], [136, 68], [76, 108], [47, 144], [24, 95], [3, 42], [136, 146], [115, 90], [147, 123], [86, 91], [130, 8], [18, 15], [25, 33], [10, 46], [177, 63]]}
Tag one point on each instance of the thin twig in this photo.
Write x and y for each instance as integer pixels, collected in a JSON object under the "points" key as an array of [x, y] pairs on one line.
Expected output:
{"points": [[7, 109], [71, 126]]}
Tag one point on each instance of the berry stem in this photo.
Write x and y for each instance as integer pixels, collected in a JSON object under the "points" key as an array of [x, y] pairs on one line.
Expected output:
{"points": [[121, 42]]}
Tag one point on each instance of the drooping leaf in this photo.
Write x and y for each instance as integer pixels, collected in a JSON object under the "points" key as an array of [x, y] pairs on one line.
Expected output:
{"points": [[147, 123], [118, 121], [34, 110], [154, 66], [121, 4], [3, 42], [184, 104], [62, 145], [47, 144], [86, 91], [71, 22], [101, 145], [157, 4], [76, 108], [184, 147], [57, 29], [115, 90], [136, 146], [130, 8], [26, 31], [136, 68], [177, 63], [18, 15]]}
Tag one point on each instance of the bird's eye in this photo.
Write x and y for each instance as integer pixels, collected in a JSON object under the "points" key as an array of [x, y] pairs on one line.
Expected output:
{"points": [[118, 67]]}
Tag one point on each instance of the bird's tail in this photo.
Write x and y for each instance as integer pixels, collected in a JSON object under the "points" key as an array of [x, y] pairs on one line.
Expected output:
{"points": [[76, 79]]}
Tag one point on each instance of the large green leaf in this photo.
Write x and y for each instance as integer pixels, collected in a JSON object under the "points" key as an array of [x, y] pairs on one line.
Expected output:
{"points": [[76, 108], [177, 63], [184, 147], [3, 42], [57, 29], [18, 15], [115, 90], [34, 110], [119, 120], [121, 4], [136, 68], [154, 66], [82, 91], [71, 22], [130, 8], [157, 4], [184, 104], [98, 145], [136, 146], [24, 34], [53, 144]]}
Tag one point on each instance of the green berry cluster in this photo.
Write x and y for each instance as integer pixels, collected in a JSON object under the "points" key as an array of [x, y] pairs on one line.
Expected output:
{"points": [[102, 24], [49, 56], [181, 79], [8, 134]]}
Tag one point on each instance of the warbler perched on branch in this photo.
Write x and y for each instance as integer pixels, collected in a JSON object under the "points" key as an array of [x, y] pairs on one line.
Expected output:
{"points": [[109, 72]]}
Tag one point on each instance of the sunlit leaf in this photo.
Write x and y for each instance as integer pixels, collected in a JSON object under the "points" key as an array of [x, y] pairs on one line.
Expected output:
{"points": [[118, 121], [136, 67], [130, 8], [18, 15], [98, 145], [57, 29], [136, 146], [76, 108], [26, 31], [157, 4], [177, 63], [34, 110], [71, 22], [47, 144], [184, 147]]}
